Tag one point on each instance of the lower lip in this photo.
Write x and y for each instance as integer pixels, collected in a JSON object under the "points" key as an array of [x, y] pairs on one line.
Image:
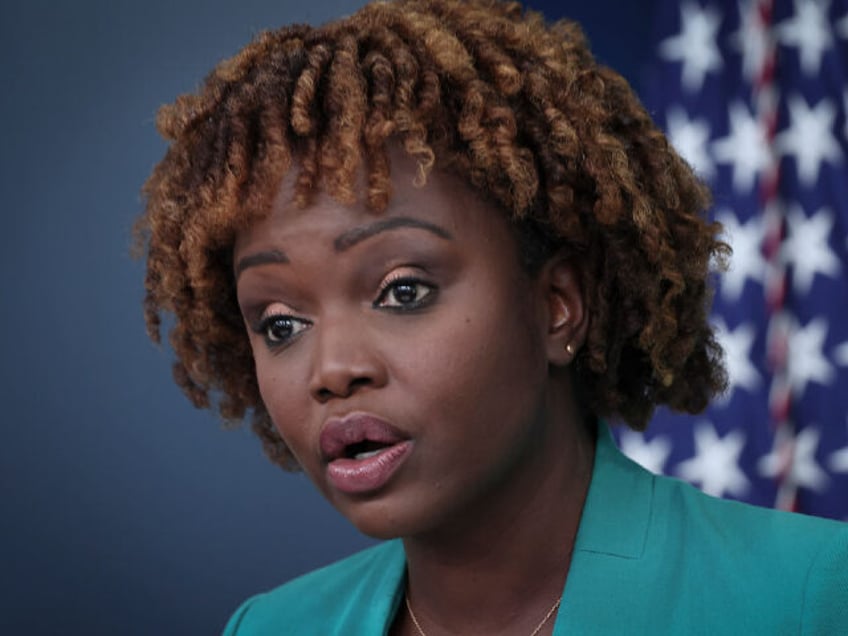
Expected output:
{"points": [[360, 476]]}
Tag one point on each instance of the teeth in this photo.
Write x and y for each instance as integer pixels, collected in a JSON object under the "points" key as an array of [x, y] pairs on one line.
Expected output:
{"points": [[367, 454]]}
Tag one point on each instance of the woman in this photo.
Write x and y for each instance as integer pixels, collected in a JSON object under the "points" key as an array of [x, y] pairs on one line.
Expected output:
{"points": [[430, 249]]}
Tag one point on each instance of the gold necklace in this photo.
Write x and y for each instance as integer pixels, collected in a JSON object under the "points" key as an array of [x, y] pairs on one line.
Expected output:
{"points": [[535, 631]]}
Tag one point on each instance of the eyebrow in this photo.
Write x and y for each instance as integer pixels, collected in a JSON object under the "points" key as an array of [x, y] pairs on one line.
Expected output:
{"points": [[358, 234], [345, 240], [261, 258]]}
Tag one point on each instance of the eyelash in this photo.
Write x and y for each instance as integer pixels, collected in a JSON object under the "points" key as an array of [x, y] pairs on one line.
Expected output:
{"points": [[266, 324], [295, 326], [394, 283]]}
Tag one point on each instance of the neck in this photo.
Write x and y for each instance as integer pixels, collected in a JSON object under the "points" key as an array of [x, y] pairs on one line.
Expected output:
{"points": [[501, 567]]}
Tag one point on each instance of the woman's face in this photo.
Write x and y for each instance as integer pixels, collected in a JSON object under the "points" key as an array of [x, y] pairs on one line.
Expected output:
{"points": [[401, 356]]}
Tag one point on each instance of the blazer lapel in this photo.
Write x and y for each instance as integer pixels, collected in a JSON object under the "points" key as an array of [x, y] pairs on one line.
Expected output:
{"points": [[611, 540]]}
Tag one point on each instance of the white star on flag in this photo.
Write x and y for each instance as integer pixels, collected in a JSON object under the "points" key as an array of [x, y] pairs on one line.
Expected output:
{"points": [[690, 138], [716, 462], [840, 354], [796, 460], [809, 30], [751, 39], [845, 107], [841, 26], [809, 137], [737, 346], [747, 261], [746, 147], [807, 249], [806, 362], [838, 461], [695, 46], [651, 454], [754, 95]]}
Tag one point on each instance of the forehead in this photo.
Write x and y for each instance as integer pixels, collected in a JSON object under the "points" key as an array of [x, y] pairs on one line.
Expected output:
{"points": [[444, 202]]}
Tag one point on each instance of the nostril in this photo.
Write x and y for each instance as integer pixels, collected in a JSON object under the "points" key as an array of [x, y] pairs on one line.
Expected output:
{"points": [[341, 389], [359, 382], [323, 394]]}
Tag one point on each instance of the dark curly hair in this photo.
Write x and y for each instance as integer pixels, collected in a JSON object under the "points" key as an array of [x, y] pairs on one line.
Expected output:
{"points": [[516, 107]]}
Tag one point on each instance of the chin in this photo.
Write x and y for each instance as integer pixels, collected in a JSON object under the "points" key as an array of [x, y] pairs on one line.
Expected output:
{"points": [[378, 532], [379, 519]]}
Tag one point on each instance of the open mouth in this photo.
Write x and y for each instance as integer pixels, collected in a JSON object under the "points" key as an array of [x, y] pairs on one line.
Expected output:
{"points": [[357, 436], [364, 449], [362, 452], [367, 466]]}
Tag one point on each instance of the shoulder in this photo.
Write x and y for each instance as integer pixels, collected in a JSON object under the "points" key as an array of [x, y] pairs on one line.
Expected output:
{"points": [[825, 603], [357, 591], [782, 562], [702, 561], [664, 511], [739, 526]]}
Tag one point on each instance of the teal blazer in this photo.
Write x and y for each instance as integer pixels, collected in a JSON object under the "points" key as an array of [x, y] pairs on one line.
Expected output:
{"points": [[653, 556]]}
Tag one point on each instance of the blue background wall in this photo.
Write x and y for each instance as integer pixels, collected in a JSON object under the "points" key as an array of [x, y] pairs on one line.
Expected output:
{"points": [[122, 509]]}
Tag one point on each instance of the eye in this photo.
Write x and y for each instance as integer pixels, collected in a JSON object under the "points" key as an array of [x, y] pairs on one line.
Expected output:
{"points": [[404, 294], [280, 329]]}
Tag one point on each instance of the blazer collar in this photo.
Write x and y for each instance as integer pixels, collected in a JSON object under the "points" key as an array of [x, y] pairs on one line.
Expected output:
{"points": [[617, 511], [613, 530]]}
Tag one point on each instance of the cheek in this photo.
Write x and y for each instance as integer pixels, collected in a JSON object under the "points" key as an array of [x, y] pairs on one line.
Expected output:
{"points": [[488, 364], [282, 391]]}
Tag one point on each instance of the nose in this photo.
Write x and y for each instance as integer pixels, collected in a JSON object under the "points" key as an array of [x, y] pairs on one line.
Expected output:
{"points": [[345, 360]]}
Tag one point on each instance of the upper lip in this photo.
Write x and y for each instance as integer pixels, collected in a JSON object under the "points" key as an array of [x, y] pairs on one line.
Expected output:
{"points": [[339, 433]]}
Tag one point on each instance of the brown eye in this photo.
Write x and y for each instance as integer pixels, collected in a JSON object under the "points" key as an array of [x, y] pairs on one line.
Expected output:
{"points": [[278, 330], [405, 293]]}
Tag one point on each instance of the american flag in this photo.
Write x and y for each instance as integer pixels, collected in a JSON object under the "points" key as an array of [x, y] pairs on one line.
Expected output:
{"points": [[754, 95]]}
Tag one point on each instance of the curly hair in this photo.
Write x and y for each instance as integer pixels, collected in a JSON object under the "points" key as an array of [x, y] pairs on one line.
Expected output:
{"points": [[517, 107]]}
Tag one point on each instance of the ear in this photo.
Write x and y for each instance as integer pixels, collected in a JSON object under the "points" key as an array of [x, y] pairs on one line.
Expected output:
{"points": [[567, 315]]}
